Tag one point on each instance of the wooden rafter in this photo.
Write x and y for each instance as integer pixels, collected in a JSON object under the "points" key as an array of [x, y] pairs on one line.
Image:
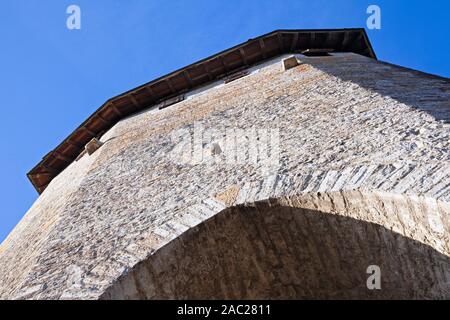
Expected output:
{"points": [[188, 78], [208, 72], [280, 42], [243, 56], [262, 46], [134, 101], [115, 109], [62, 157], [103, 120], [169, 84], [91, 133], [294, 44]]}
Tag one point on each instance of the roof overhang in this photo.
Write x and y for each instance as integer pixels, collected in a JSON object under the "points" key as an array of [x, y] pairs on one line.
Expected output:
{"points": [[185, 79]]}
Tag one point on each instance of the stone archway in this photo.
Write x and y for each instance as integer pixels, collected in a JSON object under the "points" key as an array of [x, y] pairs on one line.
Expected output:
{"points": [[315, 246]]}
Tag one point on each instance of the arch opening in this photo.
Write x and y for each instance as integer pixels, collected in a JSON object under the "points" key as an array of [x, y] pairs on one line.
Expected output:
{"points": [[280, 250]]}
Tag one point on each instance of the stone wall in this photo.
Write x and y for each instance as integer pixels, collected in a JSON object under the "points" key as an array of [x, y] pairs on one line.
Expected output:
{"points": [[314, 246], [344, 123]]}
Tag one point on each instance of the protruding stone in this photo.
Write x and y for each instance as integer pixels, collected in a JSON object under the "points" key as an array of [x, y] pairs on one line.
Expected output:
{"points": [[215, 149], [93, 146], [290, 62]]}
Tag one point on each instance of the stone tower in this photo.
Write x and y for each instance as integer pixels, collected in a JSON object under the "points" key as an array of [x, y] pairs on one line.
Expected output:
{"points": [[290, 166]]}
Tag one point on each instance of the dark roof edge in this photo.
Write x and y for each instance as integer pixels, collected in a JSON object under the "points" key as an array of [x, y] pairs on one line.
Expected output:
{"points": [[366, 39], [347, 40]]}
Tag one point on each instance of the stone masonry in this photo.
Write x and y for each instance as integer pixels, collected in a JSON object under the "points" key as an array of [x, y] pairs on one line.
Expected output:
{"points": [[362, 178]]}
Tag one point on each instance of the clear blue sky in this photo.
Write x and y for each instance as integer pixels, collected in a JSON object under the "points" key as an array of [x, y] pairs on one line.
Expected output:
{"points": [[52, 78]]}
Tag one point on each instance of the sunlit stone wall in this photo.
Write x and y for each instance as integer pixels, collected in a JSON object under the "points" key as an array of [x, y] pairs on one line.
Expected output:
{"points": [[339, 123]]}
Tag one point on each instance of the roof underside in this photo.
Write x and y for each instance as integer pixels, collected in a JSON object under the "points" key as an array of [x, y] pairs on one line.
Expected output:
{"points": [[200, 73]]}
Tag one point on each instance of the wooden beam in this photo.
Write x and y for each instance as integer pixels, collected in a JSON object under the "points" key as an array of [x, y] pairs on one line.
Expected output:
{"points": [[50, 169], [92, 133], [62, 157], [42, 188], [225, 66], [152, 93], [294, 44], [150, 90], [280, 42], [360, 39], [103, 120], [188, 77], [208, 72], [115, 109], [42, 175], [263, 47], [169, 84], [244, 58], [134, 101], [312, 39], [75, 144]]}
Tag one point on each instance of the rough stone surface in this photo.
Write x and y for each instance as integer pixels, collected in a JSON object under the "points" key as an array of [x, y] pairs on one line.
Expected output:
{"points": [[316, 246], [348, 128]]}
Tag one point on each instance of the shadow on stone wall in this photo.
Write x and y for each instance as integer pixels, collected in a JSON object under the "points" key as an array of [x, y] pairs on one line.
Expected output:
{"points": [[281, 252], [416, 89]]}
